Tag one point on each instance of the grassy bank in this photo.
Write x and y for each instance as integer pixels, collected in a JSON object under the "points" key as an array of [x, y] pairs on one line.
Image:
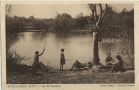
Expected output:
{"points": [[69, 77]]}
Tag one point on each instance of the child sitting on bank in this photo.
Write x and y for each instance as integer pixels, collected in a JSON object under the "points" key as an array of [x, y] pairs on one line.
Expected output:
{"points": [[109, 60], [119, 65]]}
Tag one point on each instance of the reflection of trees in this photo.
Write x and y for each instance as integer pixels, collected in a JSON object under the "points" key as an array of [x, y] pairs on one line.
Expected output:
{"points": [[63, 35], [111, 33], [39, 35], [11, 59], [108, 46], [11, 38]]}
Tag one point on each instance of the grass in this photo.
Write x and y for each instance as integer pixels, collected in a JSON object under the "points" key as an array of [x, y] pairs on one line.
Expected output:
{"points": [[69, 77]]}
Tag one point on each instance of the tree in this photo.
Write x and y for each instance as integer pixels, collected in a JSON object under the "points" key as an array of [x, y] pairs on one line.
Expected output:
{"points": [[81, 21], [8, 9], [98, 13], [127, 35], [63, 23]]}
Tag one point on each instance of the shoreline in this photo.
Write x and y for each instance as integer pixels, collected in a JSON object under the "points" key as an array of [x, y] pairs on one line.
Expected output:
{"points": [[54, 76]]}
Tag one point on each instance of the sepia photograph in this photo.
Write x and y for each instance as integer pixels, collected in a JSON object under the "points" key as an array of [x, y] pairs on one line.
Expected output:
{"points": [[70, 43]]}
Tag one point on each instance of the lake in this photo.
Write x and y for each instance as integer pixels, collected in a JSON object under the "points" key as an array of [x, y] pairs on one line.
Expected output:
{"points": [[77, 46]]}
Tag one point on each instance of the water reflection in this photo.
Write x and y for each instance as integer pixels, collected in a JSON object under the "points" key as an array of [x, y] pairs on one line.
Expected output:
{"points": [[77, 46], [39, 35]]}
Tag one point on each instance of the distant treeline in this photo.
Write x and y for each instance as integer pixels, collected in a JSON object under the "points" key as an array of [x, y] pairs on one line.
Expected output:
{"points": [[113, 21], [61, 23]]}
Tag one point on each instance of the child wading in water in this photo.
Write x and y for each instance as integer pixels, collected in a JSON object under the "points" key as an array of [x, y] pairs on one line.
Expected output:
{"points": [[36, 64], [62, 59]]}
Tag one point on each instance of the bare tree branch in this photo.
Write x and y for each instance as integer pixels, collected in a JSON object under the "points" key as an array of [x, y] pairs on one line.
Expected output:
{"points": [[95, 13], [106, 6], [97, 17], [100, 16]]}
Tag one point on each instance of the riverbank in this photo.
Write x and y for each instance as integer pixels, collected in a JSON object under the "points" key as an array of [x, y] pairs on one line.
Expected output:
{"points": [[69, 77]]}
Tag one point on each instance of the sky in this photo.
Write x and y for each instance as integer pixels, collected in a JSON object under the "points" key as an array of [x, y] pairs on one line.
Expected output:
{"points": [[51, 10]]}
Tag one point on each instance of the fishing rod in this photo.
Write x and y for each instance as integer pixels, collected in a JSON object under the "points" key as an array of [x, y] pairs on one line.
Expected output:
{"points": [[46, 33], [46, 38], [45, 42]]}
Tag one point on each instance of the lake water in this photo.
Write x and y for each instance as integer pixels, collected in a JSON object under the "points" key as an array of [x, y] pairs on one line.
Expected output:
{"points": [[77, 46]]}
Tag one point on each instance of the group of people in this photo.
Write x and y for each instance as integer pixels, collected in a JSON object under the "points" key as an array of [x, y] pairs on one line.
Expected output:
{"points": [[78, 65], [111, 65]]}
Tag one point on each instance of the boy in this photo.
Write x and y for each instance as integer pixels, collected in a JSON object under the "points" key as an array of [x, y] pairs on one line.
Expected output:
{"points": [[119, 65], [36, 60], [109, 60], [77, 65], [62, 59]]}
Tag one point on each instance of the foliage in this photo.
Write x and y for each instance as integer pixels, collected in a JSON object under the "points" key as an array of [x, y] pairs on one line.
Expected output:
{"points": [[113, 21], [63, 23], [13, 61]]}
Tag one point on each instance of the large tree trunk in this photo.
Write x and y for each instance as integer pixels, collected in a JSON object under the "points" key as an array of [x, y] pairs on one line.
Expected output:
{"points": [[95, 49], [97, 16]]}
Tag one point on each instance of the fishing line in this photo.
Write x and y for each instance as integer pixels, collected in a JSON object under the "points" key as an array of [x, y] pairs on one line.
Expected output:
{"points": [[49, 62], [46, 33]]}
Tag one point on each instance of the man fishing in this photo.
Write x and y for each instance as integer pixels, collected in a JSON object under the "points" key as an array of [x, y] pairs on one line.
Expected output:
{"points": [[62, 59]]}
